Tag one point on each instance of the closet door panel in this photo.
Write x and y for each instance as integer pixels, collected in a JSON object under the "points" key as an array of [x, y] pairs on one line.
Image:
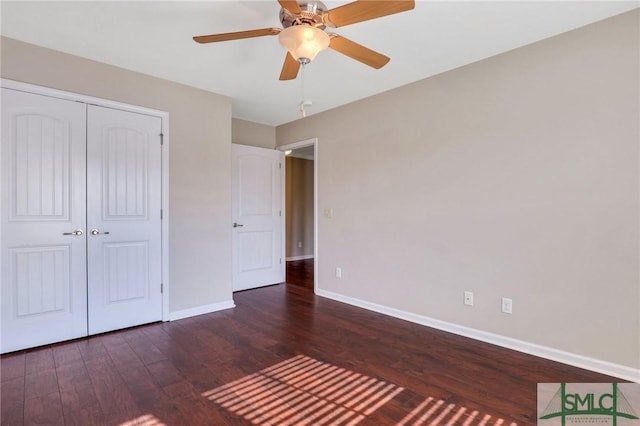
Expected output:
{"points": [[43, 220], [123, 216]]}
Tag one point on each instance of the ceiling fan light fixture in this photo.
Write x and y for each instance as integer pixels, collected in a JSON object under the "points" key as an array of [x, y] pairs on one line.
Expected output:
{"points": [[304, 42]]}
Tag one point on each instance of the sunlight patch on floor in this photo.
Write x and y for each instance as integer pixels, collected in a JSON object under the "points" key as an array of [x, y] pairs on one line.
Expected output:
{"points": [[304, 391], [437, 412], [146, 420]]}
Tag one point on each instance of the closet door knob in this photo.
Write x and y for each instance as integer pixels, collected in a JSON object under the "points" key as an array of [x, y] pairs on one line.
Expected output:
{"points": [[77, 232], [96, 232], [236, 225]]}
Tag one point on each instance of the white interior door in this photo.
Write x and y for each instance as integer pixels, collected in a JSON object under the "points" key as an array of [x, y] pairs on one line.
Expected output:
{"points": [[44, 297], [257, 213], [123, 218]]}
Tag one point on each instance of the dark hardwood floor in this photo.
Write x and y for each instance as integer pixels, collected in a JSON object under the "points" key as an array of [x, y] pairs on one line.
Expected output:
{"points": [[300, 272], [282, 356]]}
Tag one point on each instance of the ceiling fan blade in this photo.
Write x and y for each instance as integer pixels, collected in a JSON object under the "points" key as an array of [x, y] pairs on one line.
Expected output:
{"points": [[237, 35], [364, 10], [290, 68], [358, 52], [291, 5]]}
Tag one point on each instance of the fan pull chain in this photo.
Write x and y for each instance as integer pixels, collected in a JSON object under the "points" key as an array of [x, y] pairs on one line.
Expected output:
{"points": [[302, 110]]}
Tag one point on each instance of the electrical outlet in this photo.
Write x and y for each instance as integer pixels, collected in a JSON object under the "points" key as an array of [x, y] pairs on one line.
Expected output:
{"points": [[338, 272], [507, 305], [468, 298], [328, 212]]}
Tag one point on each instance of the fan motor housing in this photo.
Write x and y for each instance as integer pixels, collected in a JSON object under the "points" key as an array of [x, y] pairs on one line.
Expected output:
{"points": [[311, 14]]}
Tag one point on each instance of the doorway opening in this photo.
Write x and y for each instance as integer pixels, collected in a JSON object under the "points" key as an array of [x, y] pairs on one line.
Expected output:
{"points": [[301, 230]]}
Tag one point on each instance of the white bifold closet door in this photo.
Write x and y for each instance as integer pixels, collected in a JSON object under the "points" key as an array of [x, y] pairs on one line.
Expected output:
{"points": [[44, 266], [123, 219], [81, 229]]}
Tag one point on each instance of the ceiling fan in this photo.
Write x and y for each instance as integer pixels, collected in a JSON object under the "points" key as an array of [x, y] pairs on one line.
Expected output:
{"points": [[303, 33]]}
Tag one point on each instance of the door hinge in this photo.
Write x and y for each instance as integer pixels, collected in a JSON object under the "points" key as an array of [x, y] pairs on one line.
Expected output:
{"points": [[161, 288], [280, 213], [280, 164], [281, 261], [161, 138], [161, 214]]}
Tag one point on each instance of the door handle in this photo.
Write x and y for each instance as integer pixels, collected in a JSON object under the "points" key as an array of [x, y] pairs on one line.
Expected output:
{"points": [[96, 232], [77, 232], [235, 225]]}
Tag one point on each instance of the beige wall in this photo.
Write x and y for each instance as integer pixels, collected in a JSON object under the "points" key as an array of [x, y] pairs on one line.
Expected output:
{"points": [[299, 207], [245, 132], [515, 176], [200, 152]]}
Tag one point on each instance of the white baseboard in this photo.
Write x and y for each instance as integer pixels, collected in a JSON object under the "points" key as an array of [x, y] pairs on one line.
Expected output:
{"points": [[200, 310], [593, 364], [303, 257]]}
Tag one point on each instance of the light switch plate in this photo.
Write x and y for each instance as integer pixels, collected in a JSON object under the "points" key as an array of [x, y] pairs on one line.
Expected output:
{"points": [[507, 305]]}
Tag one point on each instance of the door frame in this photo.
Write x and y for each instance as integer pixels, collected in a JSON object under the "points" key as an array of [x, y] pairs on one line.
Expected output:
{"points": [[164, 117], [303, 144]]}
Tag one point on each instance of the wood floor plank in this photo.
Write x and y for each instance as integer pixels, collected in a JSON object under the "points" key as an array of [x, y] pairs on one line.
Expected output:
{"points": [[80, 404], [12, 366], [142, 387], [39, 360], [44, 410], [142, 346], [66, 353], [93, 351], [89, 415], [164, 373], [12, 401], [199, 376], [113, 396], [41, 383], [177, 389], [76, 389], [169, 373], [122, 355], [202, 412]]}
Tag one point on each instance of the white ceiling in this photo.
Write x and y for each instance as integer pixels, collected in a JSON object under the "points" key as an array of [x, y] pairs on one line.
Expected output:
{"points": [[154, 37]]}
